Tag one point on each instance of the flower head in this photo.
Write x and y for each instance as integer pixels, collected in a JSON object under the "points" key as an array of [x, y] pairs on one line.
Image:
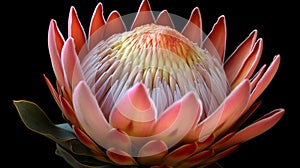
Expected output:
{"points": [[153, 95]]}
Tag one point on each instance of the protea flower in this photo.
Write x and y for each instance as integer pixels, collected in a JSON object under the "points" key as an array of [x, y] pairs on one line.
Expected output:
{"points": [[151, 96]]}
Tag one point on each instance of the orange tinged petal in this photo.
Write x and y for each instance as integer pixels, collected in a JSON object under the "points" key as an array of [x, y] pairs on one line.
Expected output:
{"points": [[255, 129], [76, 31], [120, 157], [83, 138], [250, 64], [179, 154], [236, 59], [265, 80], [215, 42], [197, 159], [221, 141], [222, 154], [193, 28], [68, 111], [144, 15], [228, 111], [164, 19], [203, 144], [114, 24], [257, 76], [97, 26], [52, 90]]}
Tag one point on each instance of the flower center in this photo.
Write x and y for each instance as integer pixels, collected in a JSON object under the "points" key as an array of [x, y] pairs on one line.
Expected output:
{"points": [[169, 65]]}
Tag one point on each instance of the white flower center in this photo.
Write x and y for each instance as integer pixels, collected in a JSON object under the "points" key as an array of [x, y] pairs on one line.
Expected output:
{"points": [[169, 65]]}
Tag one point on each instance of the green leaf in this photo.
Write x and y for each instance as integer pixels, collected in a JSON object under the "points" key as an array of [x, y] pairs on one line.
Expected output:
{"points": [[36, 120], [81, 161]]}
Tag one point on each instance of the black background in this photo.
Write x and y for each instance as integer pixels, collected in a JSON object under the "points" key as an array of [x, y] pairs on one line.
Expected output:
{"points": [[26, 53]]}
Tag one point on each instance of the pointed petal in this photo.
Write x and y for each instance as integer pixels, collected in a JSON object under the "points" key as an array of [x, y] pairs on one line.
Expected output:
{"points": [[114, 24], [179, 154], [68, 111], [55, 44], [215, 42], [265, 80], [76, 31], [193, 28], [193, 134], [89, 114], [70, 64], [174, 124], [203, 144], [197, 158], [246, 115], [254, 80], [235, 60], [118, 139], [120, 157], [135, 113], [85, 139], [152, 152], [255, 129], [52, 90], [221, 141], [250, 64], [222, 154], [97, 26], [231, 107], [144, 15], [164, 19]]}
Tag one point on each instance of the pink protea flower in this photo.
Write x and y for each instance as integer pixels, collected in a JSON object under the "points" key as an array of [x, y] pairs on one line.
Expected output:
{"points": [[152, 96]]}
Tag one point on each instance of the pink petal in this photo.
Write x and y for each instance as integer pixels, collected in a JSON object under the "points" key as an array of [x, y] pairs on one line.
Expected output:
{"points": [[85, 139], [215, 42], [114, 24], [265, 80], [193, 28], [235, 60], [246, 115], [203, 144], [232, 106], [180, 154], [52, 90], [250, 64], [152, 153], [71, 64], [55, 44], [144, 15], [118, 139], [221, 154], [197, 158], [89, 114], [174, 124], [221, 141], [76, 31], [254, 80], [135, 113], [164, 19], [255, 129], [120, 157], [68, 111], [97, 26]]}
